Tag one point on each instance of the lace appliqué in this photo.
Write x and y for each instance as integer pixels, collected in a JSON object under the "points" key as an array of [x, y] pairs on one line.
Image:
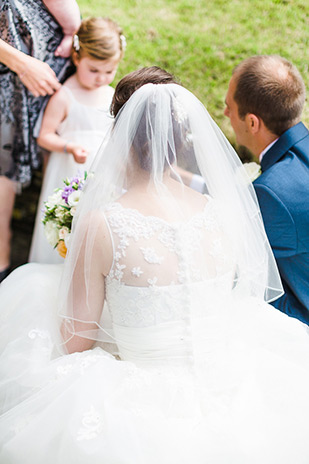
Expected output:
{"points": [[153, 262], [42, 341], [21, 423], [80, 362], [151, 256], [144, 306], [92, 425], [38, 333], [136, 271]]}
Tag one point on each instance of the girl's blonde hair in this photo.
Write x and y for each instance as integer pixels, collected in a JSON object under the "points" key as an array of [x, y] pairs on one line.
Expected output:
{"points": [[99, 38]]}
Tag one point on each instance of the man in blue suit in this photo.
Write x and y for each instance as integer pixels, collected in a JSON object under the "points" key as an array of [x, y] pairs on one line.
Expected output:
{"points": [[264, 102]]}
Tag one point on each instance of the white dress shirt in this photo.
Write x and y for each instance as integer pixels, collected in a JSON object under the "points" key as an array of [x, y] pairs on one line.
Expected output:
{"points": [[266, 149]]}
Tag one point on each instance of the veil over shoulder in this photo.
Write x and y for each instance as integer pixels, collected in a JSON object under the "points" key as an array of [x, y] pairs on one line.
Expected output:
{"points": [[160, 127]]}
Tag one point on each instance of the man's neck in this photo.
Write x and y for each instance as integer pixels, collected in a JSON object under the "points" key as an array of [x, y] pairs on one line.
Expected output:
{"points": [[262, 143], [267, 148]]}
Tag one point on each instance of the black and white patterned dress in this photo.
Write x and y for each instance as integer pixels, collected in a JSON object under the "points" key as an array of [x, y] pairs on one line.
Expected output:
{"points": [[28, 26]]}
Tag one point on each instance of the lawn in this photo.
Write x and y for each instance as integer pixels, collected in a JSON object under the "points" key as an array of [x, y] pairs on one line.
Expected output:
{"points": [[200, 41]]}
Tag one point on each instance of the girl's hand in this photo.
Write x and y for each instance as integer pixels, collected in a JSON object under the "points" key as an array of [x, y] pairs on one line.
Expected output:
{"points": [[65, 47], [80, 153], [38, 77]]}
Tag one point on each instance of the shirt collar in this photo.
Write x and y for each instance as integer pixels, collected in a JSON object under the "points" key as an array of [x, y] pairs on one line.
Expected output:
{"points": [[267, 148]]}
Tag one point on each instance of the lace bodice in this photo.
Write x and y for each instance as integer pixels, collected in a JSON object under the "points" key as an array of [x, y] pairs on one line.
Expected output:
{"points": [[161, 270]]}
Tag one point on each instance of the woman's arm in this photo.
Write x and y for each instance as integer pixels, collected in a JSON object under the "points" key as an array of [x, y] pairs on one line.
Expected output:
{"points": [[67, 14], [36, 75], [56, 111], [87, 289]]}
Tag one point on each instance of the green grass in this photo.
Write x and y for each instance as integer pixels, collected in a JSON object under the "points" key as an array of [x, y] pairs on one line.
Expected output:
{"points": [[200, 41]]}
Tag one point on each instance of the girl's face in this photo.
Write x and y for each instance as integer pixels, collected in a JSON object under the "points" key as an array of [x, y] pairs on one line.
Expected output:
{"points": [[92, 73]]}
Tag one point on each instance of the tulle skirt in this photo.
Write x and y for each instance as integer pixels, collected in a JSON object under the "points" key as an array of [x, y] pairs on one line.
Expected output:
{"points": [[248, 404]]}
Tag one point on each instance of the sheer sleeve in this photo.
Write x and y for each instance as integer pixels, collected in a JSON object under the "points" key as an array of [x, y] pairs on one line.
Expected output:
{"points": [[85, 297]]}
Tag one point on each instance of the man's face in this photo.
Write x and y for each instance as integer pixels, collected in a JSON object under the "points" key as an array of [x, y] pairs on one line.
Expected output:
{"points": [[231, 111]]}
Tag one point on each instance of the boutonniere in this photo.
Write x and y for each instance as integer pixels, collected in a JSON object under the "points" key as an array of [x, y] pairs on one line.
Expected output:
{"points": [[253, 170]]}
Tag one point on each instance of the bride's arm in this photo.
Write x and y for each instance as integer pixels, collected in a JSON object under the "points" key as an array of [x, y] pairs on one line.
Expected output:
{"points": [[87, 288]]}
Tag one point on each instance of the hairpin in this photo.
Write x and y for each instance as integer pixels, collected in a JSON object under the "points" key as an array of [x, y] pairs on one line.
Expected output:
{"points": [[123, 42], [76, 45]]}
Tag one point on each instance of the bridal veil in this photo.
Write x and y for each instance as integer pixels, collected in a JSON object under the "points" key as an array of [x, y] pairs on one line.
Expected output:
{"points": [[160, 127]]}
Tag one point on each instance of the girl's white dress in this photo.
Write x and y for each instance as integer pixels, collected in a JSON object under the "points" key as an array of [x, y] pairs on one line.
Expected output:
{"points": [[201, 378], [87, 126]]}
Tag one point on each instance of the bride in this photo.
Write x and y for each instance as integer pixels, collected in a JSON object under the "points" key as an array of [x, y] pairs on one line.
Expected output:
{"points": [[193, 364]]}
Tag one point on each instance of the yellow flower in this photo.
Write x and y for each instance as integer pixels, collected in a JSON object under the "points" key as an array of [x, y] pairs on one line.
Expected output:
{"points": [[61, 248]]}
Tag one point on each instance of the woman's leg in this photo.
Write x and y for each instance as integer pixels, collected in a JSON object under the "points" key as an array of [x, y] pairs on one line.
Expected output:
{"points": [[7, 198]]}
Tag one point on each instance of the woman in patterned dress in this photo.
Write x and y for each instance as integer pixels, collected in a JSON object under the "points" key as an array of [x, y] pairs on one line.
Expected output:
{"points": [[29, 71]]}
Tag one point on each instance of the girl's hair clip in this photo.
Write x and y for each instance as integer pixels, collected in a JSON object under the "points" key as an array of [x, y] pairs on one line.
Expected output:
{"points": [[123, 42], [76, 45]]}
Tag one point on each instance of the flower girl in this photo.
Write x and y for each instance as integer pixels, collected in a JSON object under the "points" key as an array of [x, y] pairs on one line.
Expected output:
{"points": [[77, 117]]}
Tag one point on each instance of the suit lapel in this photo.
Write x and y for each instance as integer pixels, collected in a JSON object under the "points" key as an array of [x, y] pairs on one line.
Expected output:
{"points": [[287, 140]]}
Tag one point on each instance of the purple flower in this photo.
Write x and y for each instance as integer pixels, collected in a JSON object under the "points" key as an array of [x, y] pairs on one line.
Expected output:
{"points": [[75, 183], [75, 180], [68, 189]]}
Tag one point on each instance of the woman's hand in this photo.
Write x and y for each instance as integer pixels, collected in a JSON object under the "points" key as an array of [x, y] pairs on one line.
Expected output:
{"points": [[38, 77]]}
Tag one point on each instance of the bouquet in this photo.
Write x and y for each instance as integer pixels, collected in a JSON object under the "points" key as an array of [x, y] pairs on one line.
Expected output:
{"points": [[59, 212]]}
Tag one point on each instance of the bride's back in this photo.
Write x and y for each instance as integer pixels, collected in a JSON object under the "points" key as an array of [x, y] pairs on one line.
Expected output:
{"points": [[167, 276], [170, 241]]}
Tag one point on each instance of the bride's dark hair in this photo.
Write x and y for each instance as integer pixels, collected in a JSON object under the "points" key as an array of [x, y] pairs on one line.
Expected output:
{"points": [[142, 141], [136, 79]]}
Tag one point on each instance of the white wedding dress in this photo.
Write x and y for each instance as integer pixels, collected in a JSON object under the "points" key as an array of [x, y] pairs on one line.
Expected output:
{"points": [[202, 376], [87, 126]]}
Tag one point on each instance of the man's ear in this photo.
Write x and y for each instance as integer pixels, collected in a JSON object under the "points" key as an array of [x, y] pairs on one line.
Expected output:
{"points": [[253, 123]]}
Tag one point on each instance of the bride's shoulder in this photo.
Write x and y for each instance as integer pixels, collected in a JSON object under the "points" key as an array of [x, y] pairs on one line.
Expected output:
{"points": [[197, 199], [94, 224]]}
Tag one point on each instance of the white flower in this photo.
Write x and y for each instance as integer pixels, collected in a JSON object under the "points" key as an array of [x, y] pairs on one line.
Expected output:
{"points": [[253, 170], [73, 210], [52, 233], [63, 232], [60, 213], [54, 200], [73, 199]]}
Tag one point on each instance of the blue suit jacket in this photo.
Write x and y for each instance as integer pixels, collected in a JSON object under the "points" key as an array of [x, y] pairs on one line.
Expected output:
{"points": [[283, 194]]}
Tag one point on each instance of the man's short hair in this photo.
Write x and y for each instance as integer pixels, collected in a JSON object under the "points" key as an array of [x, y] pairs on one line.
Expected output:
{"points": [[270, 87]]}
